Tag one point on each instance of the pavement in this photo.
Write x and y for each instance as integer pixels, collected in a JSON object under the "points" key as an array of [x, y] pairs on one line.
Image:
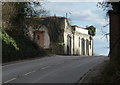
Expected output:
{"points": [[93, 74]]}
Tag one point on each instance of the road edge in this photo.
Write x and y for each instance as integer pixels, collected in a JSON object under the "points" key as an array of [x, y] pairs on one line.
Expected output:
{"points": [[95, 71]]}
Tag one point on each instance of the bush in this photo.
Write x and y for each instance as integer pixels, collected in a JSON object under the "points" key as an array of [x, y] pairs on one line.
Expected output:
{"points": [[23, 48]]}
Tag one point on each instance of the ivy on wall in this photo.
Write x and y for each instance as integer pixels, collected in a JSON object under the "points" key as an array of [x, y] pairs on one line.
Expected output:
{"points": [[53, 25], [60, 43]]}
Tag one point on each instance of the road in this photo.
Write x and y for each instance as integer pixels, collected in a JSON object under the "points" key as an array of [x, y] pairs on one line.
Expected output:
{"points": [[54, 69]]}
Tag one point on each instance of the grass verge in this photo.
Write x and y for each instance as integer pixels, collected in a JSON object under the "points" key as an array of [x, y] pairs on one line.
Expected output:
{"points": [[110, 74]]}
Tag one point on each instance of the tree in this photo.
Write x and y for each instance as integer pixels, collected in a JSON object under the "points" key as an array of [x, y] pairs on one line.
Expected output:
{"points": [[113, 8], [15, 44], [109, 5], [15, 13], [91, 30]]}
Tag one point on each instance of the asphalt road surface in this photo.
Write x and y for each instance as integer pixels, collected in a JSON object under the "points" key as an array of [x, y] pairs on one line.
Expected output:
{"points": [[54, 69]]}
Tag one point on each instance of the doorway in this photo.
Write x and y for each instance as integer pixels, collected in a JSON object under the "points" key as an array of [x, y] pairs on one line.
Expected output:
{"points": [[39, 38], [68, 45]]}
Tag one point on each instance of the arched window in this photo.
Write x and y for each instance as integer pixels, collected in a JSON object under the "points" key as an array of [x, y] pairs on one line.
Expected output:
{"points": [[87, 46], [83, 46]]}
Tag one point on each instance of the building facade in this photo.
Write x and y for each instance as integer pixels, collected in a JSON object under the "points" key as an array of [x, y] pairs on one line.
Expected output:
{"points": [[72, 40]]}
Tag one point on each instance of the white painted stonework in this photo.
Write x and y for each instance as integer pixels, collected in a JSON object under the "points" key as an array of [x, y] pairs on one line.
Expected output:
{"points": [[77, 34], [81, 30]]}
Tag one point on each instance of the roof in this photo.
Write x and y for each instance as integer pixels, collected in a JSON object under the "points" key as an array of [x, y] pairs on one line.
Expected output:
{"points": [[45, 17], [78, 27], [53, 17]]}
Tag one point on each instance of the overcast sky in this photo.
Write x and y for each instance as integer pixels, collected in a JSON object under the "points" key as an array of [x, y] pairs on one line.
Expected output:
{"points": [[84, 14]]}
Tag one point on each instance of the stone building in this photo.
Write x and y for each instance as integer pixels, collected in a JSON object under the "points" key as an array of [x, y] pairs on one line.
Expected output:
{"points": [[70, 40]]}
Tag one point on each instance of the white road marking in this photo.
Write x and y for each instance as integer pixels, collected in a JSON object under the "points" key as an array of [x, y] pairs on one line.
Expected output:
{"points": [[28, 73], [8, 65], [10, 80], [60, 63], [45, 67]]}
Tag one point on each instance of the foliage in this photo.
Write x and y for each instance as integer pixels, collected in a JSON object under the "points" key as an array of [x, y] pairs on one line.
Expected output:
{"points": [[60, 43], [54, 28], [15, 44], [27, 48], [91, 30], [8, 40], [14, 14]]}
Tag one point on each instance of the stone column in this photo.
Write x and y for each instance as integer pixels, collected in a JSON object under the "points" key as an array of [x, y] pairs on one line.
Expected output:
{"points": [[85, 48]]}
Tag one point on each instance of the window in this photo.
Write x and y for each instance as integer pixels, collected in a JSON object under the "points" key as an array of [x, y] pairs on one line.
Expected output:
{"points": [[37, 37], [83, 46], [87, 46], [90, 44], [68, 44]]}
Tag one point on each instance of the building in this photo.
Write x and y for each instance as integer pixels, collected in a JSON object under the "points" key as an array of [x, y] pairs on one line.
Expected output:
{"points": [[57, 36], [82, 43]]}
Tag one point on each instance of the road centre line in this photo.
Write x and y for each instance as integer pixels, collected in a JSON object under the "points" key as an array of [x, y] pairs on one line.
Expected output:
{"points": [[60, 63], [29, 73], [45, 67], [10, 80]]}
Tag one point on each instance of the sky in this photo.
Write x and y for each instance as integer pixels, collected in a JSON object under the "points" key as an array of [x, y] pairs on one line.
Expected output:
{"points": [[84, 14]]}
